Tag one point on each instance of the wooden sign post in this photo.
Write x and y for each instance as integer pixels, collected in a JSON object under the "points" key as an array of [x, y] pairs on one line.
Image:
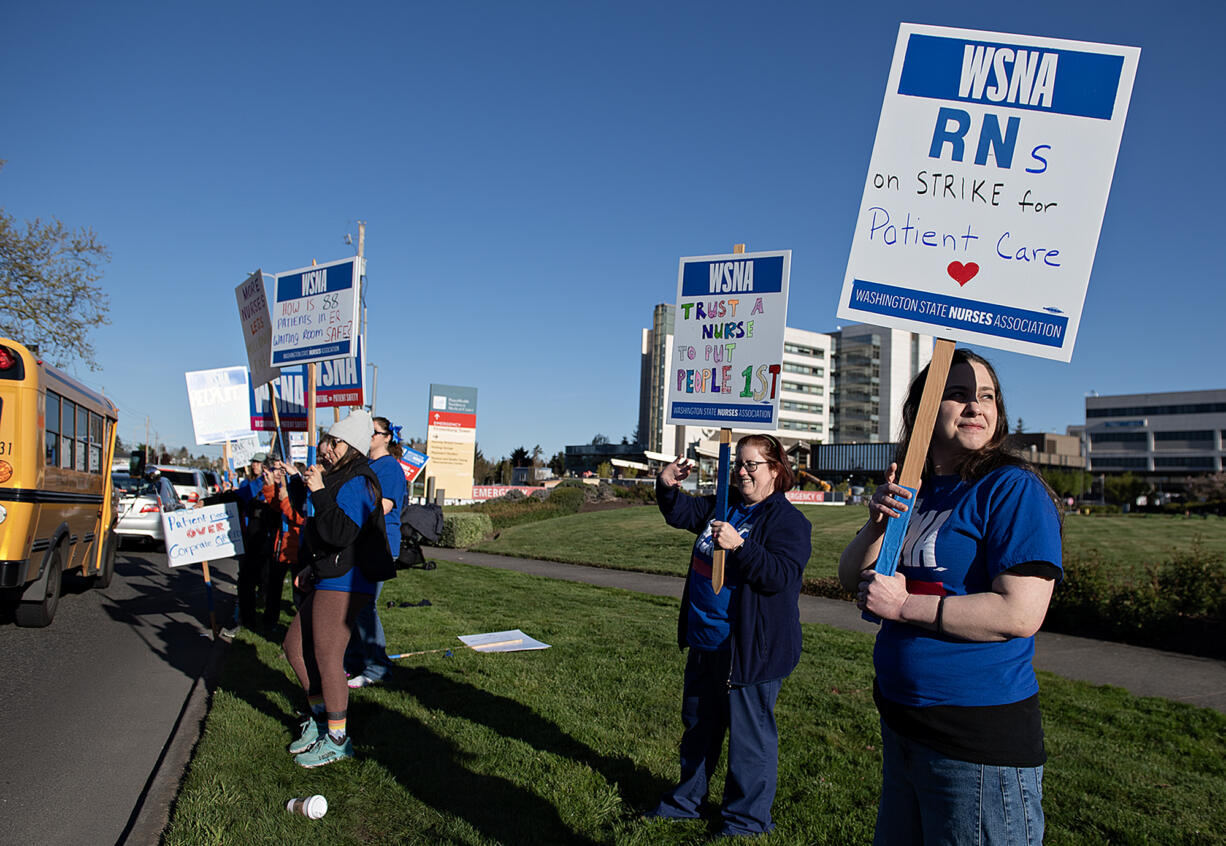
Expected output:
{"points": [[723, 476], [208, 590]]}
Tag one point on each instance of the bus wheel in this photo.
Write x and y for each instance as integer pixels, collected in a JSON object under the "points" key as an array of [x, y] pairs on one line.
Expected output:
{"points": [[40, 612], [102, 581]]}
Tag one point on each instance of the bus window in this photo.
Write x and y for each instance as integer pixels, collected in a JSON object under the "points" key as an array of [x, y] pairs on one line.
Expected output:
{"points": [[82, 439], [53, 429], [68, 416], [95, 443]]}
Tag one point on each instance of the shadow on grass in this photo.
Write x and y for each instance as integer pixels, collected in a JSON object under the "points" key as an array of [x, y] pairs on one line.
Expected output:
{"points": [[439, 774], [433, 768], [638, 787]]}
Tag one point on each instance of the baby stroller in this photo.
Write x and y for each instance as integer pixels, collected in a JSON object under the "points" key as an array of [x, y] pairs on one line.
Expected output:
{"points": [[418, 524]]}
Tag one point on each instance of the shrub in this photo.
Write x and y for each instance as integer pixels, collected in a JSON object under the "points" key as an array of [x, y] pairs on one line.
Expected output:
{"points": [[827, 586], [1180, 604], [642, 494], [503, 513], [1099, 510], [1194, 582], [1087, 585], [465, 528], [567, 499]]}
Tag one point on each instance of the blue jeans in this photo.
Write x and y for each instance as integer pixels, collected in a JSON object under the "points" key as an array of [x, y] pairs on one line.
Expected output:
{"points": [[929, 799], [367, 650], [709, 709]]}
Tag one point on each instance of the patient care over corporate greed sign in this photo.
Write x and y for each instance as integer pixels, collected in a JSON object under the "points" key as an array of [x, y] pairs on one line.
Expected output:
{"points": [[315, 313], [987, 186], [728, 340]]}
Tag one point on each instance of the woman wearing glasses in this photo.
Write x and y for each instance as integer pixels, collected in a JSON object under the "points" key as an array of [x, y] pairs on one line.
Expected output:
{"points": [[743, 640]]}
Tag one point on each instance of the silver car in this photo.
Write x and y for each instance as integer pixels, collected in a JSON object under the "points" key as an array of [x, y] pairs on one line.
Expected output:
{"points": [[140, 512]]}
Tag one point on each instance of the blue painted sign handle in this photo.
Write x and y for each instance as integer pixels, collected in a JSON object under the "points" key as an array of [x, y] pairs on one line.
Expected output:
{"points": [[891, 545], [721, 483]]}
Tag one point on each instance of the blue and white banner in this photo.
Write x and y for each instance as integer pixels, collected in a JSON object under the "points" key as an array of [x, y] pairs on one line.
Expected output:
{"points": [[986, 188], [727, 353], [339, 383]]}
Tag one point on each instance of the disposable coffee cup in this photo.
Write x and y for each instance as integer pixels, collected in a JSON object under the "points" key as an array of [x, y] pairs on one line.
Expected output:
{"points": [[312, 807]]}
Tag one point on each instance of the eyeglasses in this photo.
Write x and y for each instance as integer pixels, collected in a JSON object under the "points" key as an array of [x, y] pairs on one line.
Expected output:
{"points": [[751, 466], [377, 432]]}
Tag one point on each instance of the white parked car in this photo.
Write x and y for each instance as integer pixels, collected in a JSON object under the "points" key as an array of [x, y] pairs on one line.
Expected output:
{"points": [[189, 483], [140, 512]]}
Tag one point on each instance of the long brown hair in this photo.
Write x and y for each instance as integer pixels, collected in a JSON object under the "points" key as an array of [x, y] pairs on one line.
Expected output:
{"points": [[773, 450], [995, 453]]}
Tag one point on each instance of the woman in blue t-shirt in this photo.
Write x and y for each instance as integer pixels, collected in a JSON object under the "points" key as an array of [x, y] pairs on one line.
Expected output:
{"points": [[962, 737], [366, 658], [743, 640]]}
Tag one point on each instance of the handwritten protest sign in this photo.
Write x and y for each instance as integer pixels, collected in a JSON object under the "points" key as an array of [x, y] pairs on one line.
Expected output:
{"points": [[986, 188], [315, 313], [242, 450], [728, 340], [257, 328], [202, 534]]}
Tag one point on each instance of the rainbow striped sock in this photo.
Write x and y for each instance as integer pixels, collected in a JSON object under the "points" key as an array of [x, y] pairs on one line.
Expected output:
{"points": [[336, 725]]}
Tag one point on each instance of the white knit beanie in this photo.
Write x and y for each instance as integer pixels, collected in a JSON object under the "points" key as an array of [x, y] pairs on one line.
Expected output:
{"points": [[356, 430]]}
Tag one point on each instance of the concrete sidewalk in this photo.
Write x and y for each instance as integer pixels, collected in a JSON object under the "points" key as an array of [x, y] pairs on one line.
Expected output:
{"points": [[1140, 671]]}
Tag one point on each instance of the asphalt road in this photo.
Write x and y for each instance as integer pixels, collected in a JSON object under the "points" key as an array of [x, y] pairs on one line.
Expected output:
{"points": [[88, 704]]}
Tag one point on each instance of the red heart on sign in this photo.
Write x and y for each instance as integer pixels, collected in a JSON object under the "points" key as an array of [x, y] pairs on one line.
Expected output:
{"points": [[962, 273]]}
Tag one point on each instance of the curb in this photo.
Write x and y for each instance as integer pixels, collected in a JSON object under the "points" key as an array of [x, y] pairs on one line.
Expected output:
{"points": [[151, 814]]}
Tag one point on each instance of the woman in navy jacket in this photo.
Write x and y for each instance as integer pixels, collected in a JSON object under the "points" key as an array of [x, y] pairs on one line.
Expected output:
{"points": [[743, 640]]}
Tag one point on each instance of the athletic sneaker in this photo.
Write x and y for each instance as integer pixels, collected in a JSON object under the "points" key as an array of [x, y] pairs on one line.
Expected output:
{"points": [[311, 730], [361, 680], [323, 751]]}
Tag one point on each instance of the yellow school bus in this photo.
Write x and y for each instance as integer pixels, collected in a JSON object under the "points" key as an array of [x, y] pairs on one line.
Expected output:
{"points": [[57, 513]]}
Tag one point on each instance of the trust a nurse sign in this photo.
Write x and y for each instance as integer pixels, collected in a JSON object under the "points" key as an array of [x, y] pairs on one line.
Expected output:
{"points": [[315, 313], [728, 340], [987, 185]]}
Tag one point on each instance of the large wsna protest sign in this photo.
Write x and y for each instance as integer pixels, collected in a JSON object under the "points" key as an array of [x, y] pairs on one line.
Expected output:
{"points": [[987, 186]]}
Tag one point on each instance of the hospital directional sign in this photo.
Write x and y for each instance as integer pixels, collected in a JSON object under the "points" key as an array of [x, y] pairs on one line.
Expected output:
{"points": [[986, 189], [315, 313]]}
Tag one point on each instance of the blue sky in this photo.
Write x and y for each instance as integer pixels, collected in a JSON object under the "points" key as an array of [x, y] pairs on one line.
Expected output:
{"points": [[531, 173]]}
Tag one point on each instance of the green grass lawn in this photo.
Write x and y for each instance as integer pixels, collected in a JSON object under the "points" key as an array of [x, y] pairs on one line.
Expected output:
{"points": [[636, 538], [573, 743]]}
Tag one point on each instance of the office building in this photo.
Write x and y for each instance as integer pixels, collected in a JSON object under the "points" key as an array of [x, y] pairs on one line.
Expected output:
{"points": [[1172, 434], [874, 367]]}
